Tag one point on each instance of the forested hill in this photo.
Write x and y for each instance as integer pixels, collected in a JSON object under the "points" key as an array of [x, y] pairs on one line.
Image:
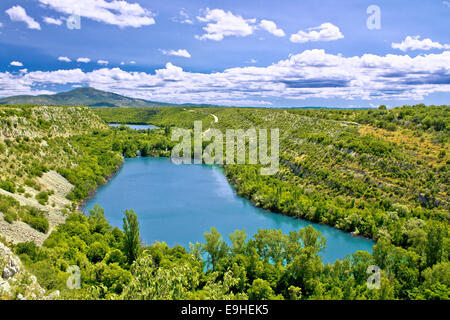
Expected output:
{"points": [[84, 96], [34, 149]]}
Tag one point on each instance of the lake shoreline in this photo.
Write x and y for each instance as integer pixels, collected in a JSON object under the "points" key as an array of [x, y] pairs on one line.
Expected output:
{"points": [[230, 182], [239, 217], [274, 211], [92, 192]]}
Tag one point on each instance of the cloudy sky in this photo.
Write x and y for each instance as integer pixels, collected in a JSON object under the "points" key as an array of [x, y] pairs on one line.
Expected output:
{"points": [[234, 52]]}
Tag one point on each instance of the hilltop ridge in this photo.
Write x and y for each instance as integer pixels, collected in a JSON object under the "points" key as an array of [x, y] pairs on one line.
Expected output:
{"points": [[86, 96]]}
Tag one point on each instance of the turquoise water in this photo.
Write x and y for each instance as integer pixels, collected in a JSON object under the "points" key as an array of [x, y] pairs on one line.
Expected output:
{"points": [[178, 203], [134, 126]]}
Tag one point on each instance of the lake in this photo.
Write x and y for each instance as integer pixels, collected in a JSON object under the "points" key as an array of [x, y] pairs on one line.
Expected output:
{"points": [[134, 126], [178, 203]]}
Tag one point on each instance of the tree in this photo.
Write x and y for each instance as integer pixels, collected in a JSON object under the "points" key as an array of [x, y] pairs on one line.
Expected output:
{"points": [[313, 238], [214, 246], [131, 236], [435, 242], [97, 220], [260, 290], [270, 244], [97, 251], [238, 240]]}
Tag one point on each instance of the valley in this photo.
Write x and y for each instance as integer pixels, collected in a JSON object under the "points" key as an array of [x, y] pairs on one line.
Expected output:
{"points": [[374, 173]]}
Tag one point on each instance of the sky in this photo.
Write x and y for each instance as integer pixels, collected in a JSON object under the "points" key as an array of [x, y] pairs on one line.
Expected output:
{"points": [[253, 53]]}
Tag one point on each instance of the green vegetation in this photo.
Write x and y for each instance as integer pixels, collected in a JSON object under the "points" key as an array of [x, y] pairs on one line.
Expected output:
{"points": [[13, 211], [8, 186], [131, 236], [379, 173], [36, 219], [42, 197], [99, 155], [78, 145], [270, 265], [83, 96], [162, 117]]}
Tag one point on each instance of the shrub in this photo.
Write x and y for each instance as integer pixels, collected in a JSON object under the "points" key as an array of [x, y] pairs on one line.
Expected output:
{"points": [[115, 256], [97, 252], [401, 209], [10, 215], [7, 202], [36, 219], [42, 197], [30, 183], [27, 248], [38, 223], [8, 186]]}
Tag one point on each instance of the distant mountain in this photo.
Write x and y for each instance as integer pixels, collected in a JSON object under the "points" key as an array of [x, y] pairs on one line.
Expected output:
{"points": [[86, 97]]}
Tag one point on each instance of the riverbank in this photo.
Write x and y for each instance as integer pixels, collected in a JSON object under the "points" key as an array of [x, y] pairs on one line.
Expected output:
{"points": [[94, 191], [235, 187], [177, 204], [277, 211]]}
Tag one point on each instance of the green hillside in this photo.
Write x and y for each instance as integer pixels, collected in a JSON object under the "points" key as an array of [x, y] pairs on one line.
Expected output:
{"points": [[383, 174], [83, 96]]}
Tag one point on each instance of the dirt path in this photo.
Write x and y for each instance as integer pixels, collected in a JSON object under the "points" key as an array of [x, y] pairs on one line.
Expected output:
{"points": [[215, 121]]}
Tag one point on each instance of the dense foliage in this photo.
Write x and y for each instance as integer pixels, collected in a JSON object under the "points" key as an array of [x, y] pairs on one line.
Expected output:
{"points": [[270, 265], [379, 173], [163, 117], [11, 211]]}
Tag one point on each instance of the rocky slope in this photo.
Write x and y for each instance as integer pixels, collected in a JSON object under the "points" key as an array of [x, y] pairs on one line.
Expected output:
{"points": [[16, 282], [32, 147]]}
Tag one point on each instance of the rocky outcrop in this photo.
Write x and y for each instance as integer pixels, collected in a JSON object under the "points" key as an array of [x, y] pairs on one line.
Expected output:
{"points": [[16, 282], [18, 231]]}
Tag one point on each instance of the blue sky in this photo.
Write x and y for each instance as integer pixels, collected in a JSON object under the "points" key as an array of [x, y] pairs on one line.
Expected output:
{"points": [[245, 53]]}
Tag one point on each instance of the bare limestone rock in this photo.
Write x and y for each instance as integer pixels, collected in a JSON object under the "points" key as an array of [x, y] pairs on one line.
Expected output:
{"points": [[16, 282]]}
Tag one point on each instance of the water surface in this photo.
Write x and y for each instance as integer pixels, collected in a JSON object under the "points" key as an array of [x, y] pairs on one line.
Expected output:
{"points": [[134, 126], [178, 203]]}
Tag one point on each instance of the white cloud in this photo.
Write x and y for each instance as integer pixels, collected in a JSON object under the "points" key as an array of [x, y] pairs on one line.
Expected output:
{"points": [[446, 3], [132, 62], [120, 13], [83, 60], [179, 53], [271, 27], [325, 32], [414, 43], [50, 20], [309, 74], [17, 13], [184, 18], [103, 62], [16, 64], [221, 24], [64, 59]]}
